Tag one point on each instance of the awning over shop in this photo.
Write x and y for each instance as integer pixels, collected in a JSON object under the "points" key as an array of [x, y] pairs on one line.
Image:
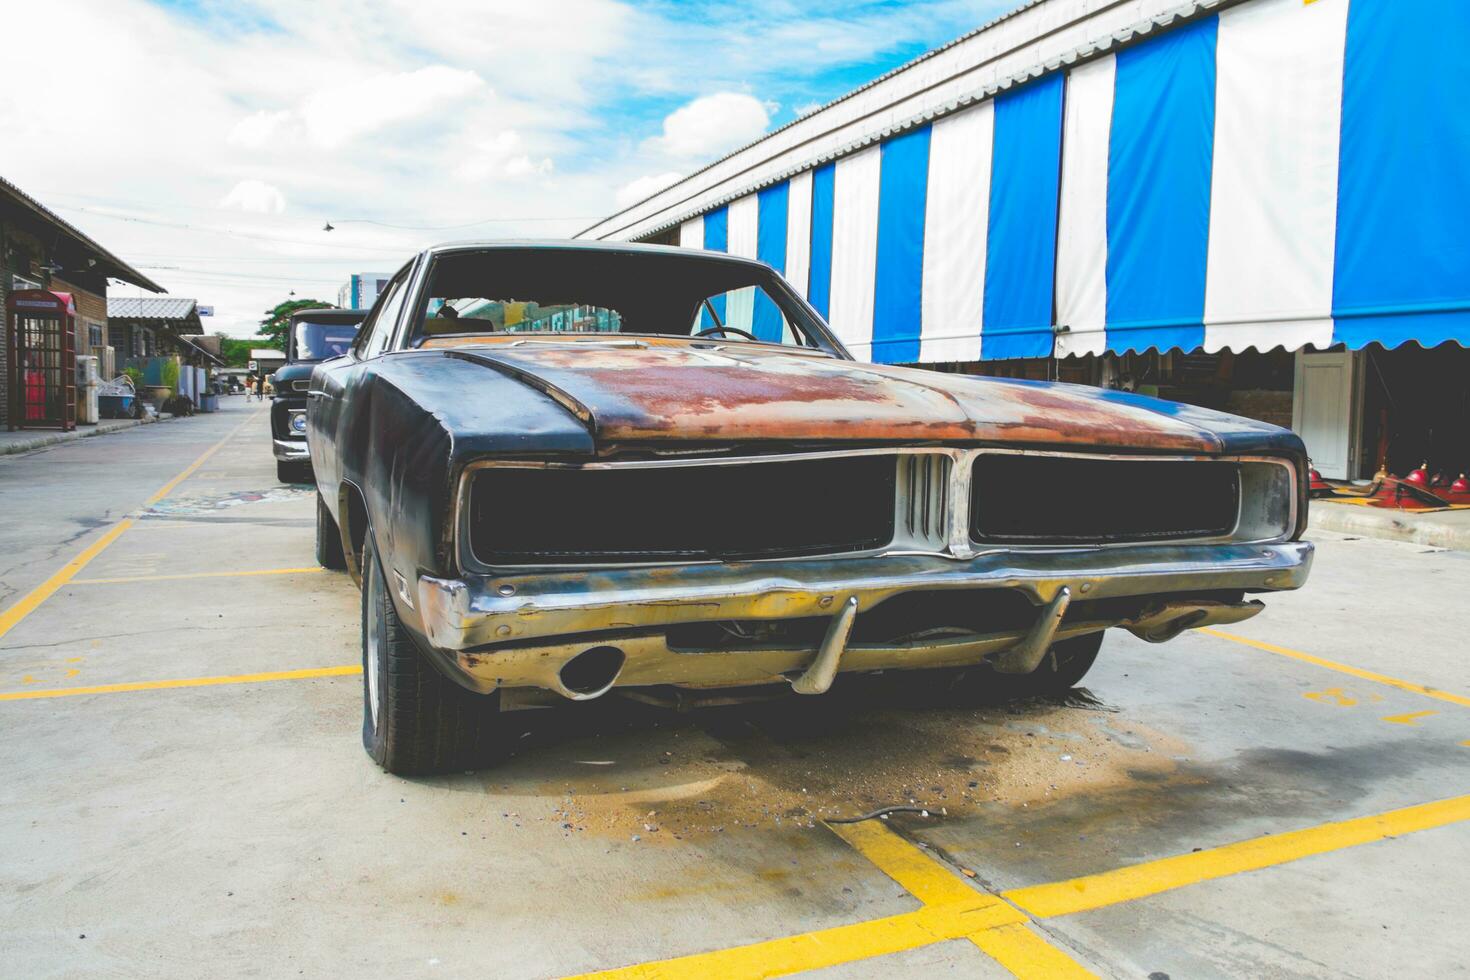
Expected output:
{"points": [[1276, 174]]}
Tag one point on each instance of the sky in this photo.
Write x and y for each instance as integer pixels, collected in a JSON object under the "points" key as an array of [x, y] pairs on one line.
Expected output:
{"points": [[207, 142]]}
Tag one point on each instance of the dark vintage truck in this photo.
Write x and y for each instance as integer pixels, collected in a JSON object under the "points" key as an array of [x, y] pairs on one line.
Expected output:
{"points": [[561, 469], [314, 336]]}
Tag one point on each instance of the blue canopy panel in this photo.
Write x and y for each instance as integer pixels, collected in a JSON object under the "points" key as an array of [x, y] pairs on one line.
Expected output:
{"points": [[1403, 243], [1020, 268], [1159, 166], [770, 248], [899, 275], [819, 285], [716, 239]]}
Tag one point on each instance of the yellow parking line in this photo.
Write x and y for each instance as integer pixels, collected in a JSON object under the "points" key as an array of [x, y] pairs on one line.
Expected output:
{"points": [[193, 575], [168, 487], [1013, 944], [1367, 675], [12, 616], [1002, 929], [827, 947], [1017, 947], [346, 670], [917, 872], [1153, 877]]}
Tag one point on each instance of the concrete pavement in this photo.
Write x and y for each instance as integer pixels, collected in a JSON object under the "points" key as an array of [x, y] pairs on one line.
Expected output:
{"points": [[237, 828]]}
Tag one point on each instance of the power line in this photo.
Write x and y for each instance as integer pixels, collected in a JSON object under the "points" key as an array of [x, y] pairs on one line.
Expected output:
{"points": [[232, 233]]}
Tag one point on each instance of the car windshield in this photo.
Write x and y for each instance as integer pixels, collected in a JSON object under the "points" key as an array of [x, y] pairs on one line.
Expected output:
{"points": [[591, 291], [322, 341]]}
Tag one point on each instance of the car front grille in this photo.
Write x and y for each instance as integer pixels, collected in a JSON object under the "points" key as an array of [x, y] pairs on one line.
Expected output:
{"points": [[1034, 499], [707, 511], [922, 501]]}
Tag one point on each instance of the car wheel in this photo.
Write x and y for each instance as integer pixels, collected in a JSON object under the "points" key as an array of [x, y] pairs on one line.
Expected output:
{"points": [[415, 720], [1064, 665], [289, 472], [328, 538]]}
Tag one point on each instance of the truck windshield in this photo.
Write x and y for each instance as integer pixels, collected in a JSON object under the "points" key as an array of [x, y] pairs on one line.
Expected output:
{"points": [[322, 341]]}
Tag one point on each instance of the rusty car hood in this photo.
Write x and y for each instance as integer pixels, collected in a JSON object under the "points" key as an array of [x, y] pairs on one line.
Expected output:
{"points": [[654, 393]]}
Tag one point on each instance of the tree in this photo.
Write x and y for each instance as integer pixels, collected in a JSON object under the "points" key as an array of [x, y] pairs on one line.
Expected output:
{"points": [[273, 327], [235, 351]]}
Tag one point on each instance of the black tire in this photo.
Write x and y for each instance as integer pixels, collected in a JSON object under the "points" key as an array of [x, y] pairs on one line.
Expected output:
{"points": [[292, 472], [1064, 665], [328, 538], [415, 720]]}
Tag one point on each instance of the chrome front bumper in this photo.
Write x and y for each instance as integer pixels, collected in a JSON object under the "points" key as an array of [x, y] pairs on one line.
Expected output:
{"points": [[291, 450], [533, 616]]}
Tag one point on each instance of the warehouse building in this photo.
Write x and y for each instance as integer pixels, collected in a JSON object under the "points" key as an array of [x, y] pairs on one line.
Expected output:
{"points": [[1256, 205]]}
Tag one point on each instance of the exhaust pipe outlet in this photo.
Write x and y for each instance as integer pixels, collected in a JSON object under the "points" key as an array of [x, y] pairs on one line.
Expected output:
{"points": [[591, 673]]}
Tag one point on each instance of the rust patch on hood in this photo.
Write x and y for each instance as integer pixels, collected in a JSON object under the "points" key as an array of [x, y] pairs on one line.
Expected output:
{"points": [[681, 391]]}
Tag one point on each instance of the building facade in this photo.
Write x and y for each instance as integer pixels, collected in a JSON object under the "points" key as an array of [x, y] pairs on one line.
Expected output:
{"points": [[1251, 204], [40, 250], [361, 290]]}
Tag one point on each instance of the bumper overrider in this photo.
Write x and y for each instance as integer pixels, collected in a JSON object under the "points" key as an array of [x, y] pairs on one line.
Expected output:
{"points": [[291, 450], [581, 633]]}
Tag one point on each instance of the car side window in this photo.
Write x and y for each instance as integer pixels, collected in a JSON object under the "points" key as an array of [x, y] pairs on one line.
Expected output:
{"points": [[379, 329]]}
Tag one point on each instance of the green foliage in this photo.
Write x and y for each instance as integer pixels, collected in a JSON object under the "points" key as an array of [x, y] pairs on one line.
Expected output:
{"points": [[170, 374], [235, 351], [273, 327], [135, 375]]}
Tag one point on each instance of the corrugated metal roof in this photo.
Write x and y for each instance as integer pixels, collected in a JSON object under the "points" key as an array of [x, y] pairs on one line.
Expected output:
{"points": [[150, 308], [111, 264]]}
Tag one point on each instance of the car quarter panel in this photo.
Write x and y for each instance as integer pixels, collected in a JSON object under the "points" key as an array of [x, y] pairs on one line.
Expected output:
{"points": [[410, 422]]}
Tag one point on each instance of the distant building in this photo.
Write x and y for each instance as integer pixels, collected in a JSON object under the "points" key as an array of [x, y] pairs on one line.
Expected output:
{"points": [[361, 290], [147, 327], [40, 250]]}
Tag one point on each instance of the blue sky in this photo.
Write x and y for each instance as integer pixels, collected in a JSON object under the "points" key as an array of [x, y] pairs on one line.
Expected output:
{"points": [[218, 136]]}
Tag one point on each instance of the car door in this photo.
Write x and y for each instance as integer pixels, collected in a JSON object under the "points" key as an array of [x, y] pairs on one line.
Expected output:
{"points": [[334, 383]]}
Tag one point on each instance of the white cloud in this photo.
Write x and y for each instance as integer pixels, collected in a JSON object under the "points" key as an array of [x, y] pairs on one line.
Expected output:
{"points": [[259, 129], [502, 155], [255, 197], [646, 186], [712, 124], [336, 115]]}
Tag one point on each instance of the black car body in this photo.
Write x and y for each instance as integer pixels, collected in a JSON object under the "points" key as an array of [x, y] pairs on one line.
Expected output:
{"points": [[314, 336], [565, 468]]}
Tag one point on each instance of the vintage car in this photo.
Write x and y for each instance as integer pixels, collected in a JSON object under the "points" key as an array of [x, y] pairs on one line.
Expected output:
{"points": [[575, 467], [314, 336]]}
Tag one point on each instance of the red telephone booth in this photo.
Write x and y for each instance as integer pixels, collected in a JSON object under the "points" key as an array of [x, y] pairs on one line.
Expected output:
{"points": [[42, 328]]}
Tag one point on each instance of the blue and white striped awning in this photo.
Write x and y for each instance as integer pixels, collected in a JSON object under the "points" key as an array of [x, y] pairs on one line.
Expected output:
{"points": [[1276, 174]]}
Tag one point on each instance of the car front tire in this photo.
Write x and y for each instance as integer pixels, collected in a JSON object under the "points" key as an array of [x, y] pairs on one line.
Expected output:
{"points": [[1063, 667], [415, 720]]}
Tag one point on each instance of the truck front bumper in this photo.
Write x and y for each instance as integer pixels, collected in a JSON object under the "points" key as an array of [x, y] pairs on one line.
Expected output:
{"points": [[522, 630]]}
